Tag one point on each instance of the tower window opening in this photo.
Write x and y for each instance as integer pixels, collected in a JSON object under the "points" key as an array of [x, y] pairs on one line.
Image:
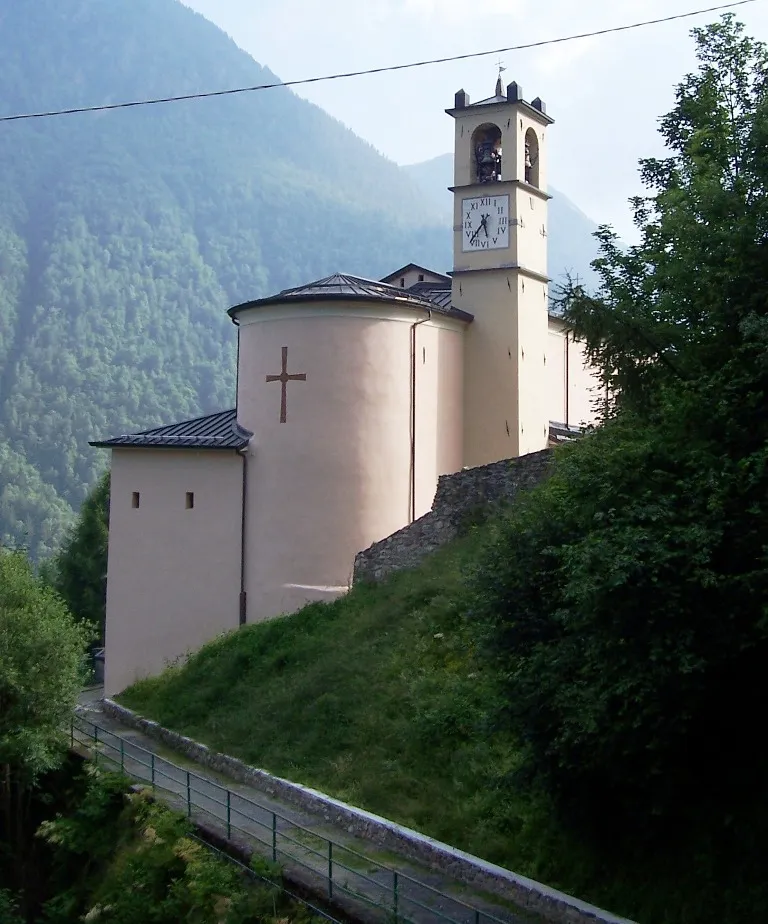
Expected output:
{"points": [[531, 158], [402, 282], [135, 500], [190, 500], [486, 153], [421, 277]]}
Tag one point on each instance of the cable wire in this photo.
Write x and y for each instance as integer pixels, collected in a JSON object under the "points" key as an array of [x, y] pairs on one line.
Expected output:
{"points": [[374, 70]]}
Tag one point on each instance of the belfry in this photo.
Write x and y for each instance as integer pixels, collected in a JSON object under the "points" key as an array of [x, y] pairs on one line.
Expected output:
{"points": [[500, 269]]}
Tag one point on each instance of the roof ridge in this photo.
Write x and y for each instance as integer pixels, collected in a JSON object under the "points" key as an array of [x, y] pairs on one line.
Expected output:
{"points": [[219, 430], [187, 420]]}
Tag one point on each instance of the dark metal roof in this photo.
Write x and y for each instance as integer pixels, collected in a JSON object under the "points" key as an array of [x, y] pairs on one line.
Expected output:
{"points": [[562, 433], [340, 286], [492, 100], [436, 292], [214, 431]]}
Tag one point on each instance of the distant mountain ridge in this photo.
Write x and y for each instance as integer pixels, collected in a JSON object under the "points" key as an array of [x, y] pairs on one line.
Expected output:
{"points": [[572, 246], [125, 235]]}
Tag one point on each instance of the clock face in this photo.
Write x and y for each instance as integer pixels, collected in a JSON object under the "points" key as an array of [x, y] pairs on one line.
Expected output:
{"points": [[485, 223]]}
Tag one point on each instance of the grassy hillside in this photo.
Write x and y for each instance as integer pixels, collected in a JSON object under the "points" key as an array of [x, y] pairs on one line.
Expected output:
{"points": [[379, 699]]}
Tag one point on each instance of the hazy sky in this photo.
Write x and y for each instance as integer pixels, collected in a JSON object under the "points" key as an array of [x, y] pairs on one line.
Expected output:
{"points": [[605, 93]]}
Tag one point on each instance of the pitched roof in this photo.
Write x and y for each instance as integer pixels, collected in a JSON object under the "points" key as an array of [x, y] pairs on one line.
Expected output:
{"points": [[436, 292], [491, 101], [341, 286], [214, 431], [414, 266]]}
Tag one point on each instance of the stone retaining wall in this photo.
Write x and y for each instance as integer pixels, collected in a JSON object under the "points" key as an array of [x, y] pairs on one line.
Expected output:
{"points": [[526, 893], [458, 496]]}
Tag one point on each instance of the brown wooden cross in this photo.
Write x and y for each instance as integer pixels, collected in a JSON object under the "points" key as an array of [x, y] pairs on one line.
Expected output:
{"points": [[284, 378]]}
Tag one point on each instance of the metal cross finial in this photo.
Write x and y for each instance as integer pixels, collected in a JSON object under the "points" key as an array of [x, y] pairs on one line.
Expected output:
{"points": [[500, 65]]}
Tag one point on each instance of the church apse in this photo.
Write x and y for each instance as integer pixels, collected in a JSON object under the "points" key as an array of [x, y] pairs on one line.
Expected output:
{"points": [[325, 385]]}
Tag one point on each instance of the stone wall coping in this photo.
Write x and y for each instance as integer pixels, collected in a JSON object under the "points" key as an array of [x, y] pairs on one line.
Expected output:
{"points": [[471, 870], [458, 495]]}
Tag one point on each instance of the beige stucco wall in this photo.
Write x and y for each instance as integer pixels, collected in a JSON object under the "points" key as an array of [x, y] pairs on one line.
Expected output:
{"points": [[335, 476], [556, 374], [173, 578], [585, 395], [573, 389]]}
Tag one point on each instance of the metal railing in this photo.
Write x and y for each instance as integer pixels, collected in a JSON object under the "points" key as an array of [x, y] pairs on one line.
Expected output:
{"points": [[328, 868]]}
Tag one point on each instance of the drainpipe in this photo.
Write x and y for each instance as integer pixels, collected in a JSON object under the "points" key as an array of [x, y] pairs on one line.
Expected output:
{"points": [[243, 453], [237, 367], [567, 383], [413, 411]]}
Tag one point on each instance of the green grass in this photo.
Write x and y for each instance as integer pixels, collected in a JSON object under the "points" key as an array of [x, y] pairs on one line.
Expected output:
{"points": [[380, 699], [374, 698]]}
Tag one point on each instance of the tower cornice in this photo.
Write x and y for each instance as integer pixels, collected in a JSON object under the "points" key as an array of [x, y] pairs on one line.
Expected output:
{"points": [[495, 189], [501, 268], [502, 106]]}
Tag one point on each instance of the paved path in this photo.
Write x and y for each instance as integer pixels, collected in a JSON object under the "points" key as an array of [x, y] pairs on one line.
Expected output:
{"points": [[361, 878]]}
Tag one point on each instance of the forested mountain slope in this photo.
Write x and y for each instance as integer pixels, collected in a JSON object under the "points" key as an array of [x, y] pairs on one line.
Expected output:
{"points": [[124, 235]]}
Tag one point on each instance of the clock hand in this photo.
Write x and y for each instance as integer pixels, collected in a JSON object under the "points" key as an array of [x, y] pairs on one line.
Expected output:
{"points": [[484, 225]]}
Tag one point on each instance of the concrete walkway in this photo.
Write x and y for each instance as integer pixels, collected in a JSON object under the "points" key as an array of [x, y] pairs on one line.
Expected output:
{"points": [[353, 874]]}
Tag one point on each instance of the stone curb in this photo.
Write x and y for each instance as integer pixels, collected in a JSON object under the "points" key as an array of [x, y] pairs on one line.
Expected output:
{"points": [[526, 893]]}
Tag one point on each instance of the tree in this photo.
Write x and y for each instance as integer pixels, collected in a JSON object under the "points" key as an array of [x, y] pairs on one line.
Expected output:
{"points": [[81, 565], [626, 599], [41, 670]]}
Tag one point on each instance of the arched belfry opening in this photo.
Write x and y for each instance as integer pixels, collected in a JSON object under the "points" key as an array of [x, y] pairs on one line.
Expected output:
{"points": [[486, 153], [531, 158]]}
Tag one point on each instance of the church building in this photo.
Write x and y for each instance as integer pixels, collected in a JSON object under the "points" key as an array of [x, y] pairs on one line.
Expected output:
{"points": [[353, 396]]}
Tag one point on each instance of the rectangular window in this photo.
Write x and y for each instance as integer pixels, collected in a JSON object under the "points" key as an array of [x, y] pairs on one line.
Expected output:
{"points": [[421, 277], [402, 282], [190, 499], [135, 499]]}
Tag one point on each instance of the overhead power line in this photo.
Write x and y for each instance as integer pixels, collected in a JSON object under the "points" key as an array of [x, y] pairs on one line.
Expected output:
{"points": [[373, 70]]}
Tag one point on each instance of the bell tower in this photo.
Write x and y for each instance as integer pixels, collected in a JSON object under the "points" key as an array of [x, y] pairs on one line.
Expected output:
{"points": [[500, 271]]}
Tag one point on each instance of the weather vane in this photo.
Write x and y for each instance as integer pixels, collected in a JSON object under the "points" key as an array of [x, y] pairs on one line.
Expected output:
{"points": [[500, 65]]}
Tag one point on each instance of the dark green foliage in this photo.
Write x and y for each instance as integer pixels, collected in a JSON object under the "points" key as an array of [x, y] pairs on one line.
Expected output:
{"points": [[41, 654], [41, 669], [124, 236], [9, 909], [118, 857], [627, 599], [81, 565]]}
